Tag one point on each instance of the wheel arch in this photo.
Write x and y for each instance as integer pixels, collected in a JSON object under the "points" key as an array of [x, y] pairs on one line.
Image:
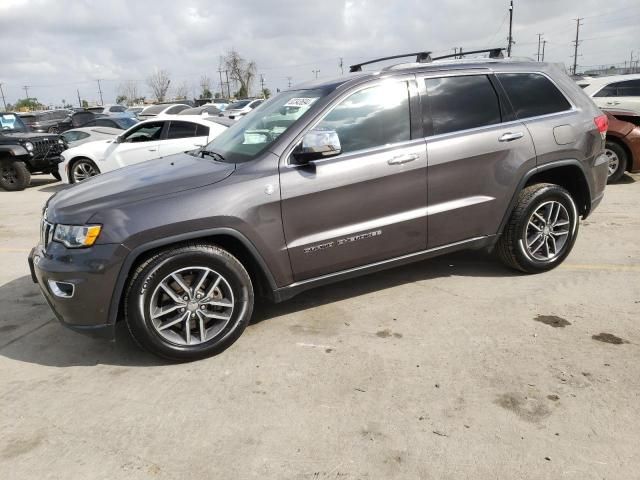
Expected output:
{"points": [[229, 239], [568, 174]]}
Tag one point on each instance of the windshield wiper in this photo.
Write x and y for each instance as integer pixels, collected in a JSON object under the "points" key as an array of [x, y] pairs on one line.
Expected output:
{"points": [[212, 154]]}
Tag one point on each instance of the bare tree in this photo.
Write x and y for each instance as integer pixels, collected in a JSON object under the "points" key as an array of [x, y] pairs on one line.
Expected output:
{"points": [[241, 71], [182, 91], [205, 85], [129, 91], [159, 83]]}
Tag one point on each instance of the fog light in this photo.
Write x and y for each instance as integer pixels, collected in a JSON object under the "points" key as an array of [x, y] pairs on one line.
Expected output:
{"points": [[61, 289]]}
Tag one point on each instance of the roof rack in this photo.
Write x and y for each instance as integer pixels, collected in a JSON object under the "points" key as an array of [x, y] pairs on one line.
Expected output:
{"points": [[421, 57], [493, 53]]}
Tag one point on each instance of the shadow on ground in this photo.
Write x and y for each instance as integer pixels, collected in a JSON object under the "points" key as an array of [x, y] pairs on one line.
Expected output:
{"points": [[30, 333]]}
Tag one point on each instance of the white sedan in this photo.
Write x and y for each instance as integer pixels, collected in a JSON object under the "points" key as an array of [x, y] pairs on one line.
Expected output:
{"points": [[144, 141], [78, 136]]}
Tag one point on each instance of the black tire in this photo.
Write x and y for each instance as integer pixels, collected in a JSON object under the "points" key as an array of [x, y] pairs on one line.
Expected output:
{"points": [[14, 175], [56, 175], [511, 246], [146, 280], [614, 150], [82, 164]]}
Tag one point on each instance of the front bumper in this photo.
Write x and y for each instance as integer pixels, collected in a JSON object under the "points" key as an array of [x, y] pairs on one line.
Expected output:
{"points": [[92, 272]]}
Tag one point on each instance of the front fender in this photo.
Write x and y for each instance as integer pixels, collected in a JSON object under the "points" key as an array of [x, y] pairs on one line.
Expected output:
{"points": [[14, 150]]}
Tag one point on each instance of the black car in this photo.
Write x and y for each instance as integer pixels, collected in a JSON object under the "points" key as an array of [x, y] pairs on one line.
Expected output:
{"points": [[45, 122], [23, 153]]}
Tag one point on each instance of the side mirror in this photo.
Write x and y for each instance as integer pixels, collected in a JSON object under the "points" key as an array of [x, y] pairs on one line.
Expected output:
{"points": [[317, 144], [119, 139]]}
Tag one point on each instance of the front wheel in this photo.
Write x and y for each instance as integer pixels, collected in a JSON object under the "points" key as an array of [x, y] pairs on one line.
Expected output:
{"points": [[14, 175], [541, 230], [189, 302], [83, 169]]}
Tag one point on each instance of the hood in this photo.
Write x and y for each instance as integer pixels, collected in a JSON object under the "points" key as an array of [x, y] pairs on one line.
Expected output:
{"points": [[155, 178], [93, 149]]}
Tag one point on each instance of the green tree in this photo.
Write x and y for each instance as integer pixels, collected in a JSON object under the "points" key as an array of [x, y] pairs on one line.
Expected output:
{"points": [[28, 104], [85, 104], [266, 93]]}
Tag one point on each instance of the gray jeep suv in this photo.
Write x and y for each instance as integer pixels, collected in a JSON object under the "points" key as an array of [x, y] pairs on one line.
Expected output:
{"points": [[326, 181]]}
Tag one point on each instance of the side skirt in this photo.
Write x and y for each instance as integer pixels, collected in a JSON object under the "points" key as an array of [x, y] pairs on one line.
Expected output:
{"points": [[285, 293]]}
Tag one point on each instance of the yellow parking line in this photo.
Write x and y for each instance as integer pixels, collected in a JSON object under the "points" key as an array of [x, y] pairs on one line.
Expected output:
{"points": [[612, 267]]}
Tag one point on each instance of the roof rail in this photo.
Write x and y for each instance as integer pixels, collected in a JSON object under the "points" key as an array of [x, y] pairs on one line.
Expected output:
{"points": [[421, 57], [493, 53]]}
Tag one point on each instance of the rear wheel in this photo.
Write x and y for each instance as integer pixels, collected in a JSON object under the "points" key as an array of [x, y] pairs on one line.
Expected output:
{"points": [[189, 302], [541, 231], [82, 169], [14, 175], [617, 161]]}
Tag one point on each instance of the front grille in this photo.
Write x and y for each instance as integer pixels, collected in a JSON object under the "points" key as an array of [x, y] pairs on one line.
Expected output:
{"points": [[46, 147], [46, 233]]}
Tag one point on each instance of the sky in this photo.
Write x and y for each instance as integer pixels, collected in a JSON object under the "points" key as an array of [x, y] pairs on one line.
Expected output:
{"points": [[57, 47]]}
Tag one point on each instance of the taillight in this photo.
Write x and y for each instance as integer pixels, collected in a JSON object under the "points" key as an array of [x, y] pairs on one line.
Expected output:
{"points": [[602, 122]]}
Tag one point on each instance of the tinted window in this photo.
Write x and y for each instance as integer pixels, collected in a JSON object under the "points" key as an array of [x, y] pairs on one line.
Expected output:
{"points": [[176, 109], [372, 117], [145, 133], [239, 105], [202, 131], [124, 123], [103, 122], [181, 130], [608, 91], [117, 108], [629, 88], [532, 94], [460, 103]]}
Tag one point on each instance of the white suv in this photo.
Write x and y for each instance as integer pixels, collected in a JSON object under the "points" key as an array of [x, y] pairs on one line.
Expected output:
{"points": [[619, 91]]}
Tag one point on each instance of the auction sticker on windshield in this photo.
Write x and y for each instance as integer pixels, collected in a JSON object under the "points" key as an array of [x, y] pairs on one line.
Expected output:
{"points": [[300, 102]]}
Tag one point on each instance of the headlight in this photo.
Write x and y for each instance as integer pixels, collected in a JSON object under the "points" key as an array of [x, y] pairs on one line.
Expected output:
{"points": [[29, 146], [60, 141], [75, 236]]}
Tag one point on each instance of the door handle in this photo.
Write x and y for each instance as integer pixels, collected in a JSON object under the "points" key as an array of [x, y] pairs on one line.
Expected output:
{"points": [[510, 137], [613, 103], [400, 159], [153, 149]]}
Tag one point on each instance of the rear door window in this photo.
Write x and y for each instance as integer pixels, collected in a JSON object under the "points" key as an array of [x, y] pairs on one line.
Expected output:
{"points": [[533, 94], [461, 102], [628, 88], [181, 130]]}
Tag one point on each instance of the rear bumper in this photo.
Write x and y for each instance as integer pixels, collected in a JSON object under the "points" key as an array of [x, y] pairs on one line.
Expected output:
{"points": [[89, 273]]}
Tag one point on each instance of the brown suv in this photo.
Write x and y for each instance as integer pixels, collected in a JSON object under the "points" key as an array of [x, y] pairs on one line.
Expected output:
{"points": [[324, 182], [623, 143]]}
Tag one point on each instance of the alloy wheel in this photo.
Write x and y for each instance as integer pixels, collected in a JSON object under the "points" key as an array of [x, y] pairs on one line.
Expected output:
{"points": [[614, 161], [547, 231], [191, 306], [82, 171], [9, 174]]}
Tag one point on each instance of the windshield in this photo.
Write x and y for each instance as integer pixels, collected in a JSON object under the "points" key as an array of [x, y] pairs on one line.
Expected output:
{"points": [[254, 133], [125, 122], [11, 123], [239, 105]]}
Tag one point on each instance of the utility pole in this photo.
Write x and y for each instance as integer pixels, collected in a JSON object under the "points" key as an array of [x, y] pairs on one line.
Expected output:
{"points": [[226, 72], [289, 81], [544, 44], [576, 43], [26, 91], [79, 101], [539, 42], [100, 91], [631, 63], [460, 53], [316, 72], [510, 28], [262, 84], [341, 65], [4, 102], [221, 83]]}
